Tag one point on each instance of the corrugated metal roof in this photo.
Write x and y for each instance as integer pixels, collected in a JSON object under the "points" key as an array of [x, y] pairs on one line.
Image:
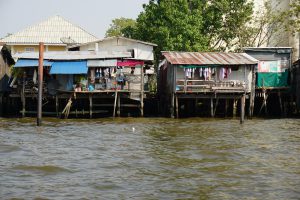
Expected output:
{"points": [[115, 38], [208, 58], [31, 63], [69, 67], [269, 49], [102, 63], [54, 30], [74, 55]]}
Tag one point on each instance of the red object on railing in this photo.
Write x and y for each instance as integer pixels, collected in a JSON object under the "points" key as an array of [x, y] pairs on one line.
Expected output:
{"points": [[130, 63]]}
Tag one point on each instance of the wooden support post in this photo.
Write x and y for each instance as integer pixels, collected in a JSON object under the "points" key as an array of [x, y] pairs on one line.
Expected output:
{"points": [[215, 109], [91, 105], [242, 117], [57, 106], [234, 110], [264, 104], [115, 103], [40, 83], [177, 105], [212, 107], [142, 91], [1, 105], [252, 94], [172, 105], [23, 98], [119, 106], [196, 107], [226, 106], [285, 109], [280, 104]]}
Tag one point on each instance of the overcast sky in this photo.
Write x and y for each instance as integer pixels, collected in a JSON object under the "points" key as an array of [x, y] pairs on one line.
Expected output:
{"points": [[94, 16]]}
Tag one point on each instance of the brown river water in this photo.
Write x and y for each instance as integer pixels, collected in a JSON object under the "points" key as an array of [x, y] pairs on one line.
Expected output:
{"points": [[150, 158]]}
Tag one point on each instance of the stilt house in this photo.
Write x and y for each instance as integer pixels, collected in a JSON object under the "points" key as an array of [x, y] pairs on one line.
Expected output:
{"points": [[272, 78], [202, 76], [95, 81]]}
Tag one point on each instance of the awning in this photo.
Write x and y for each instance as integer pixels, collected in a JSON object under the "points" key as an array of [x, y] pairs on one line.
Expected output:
{"points": [[69, 67], [31, 63], [130, 63], [102, 63]]}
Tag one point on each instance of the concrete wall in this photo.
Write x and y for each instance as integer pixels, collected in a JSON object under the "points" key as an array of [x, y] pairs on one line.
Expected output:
{"points": [[21, 48]]}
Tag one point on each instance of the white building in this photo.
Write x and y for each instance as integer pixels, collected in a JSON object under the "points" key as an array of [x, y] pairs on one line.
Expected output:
{"points": [[140, 50]]}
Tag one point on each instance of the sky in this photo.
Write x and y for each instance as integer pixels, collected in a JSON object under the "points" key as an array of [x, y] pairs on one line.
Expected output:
{"points": [[94, 16]]}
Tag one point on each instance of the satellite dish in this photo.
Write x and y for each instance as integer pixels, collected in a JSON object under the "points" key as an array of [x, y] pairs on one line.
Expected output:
{"points": [[67, 40]]}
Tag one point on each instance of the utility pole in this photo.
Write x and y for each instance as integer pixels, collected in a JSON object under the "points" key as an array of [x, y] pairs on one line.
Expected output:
{"points": [[40, 83]]}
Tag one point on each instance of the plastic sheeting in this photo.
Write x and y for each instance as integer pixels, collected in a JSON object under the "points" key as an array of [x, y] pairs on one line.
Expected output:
{"points": [[31, 63], [272, 79], [69, 67]]}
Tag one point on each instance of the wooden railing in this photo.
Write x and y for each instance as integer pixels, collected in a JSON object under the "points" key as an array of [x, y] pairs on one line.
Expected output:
{"points": [[204, 85]]}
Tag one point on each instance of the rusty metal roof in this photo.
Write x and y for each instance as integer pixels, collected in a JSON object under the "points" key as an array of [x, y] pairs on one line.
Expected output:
{"points": [[208, 58]]}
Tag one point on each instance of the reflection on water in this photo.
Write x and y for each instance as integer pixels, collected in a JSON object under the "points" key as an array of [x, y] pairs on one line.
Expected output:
{"points": [[155, 158]]}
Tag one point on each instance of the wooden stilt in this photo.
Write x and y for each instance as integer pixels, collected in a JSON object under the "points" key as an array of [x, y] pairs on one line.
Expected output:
{"points": [[91, 105], [142, 105], [172, 105], [1, 105], [119, 106], [226, 106], [212, 107], [196, 106], [264, 104], [242, 116], [215, 109], [57, 106], [142, 91], [23, 99], [285, 109], [252, 94], [115, 103], [234, 110], [280, 104], [177, 105]]}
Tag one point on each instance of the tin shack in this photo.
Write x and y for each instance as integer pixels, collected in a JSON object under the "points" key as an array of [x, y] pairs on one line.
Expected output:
{"points": [[210, 79], [272, 79], [80, 82]]}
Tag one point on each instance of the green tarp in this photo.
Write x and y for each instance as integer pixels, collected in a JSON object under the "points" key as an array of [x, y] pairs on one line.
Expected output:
{"points": [[272, 79]]}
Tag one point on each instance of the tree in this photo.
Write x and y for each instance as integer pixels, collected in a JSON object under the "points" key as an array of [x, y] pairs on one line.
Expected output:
{"points": [[121, 27], [262, 26], [192, 25], [293, 16]]}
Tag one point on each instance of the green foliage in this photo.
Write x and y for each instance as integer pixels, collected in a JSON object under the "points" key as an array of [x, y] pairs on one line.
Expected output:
{"points": [[260, 28], [191, 25], [294, 17], [121, 27]]}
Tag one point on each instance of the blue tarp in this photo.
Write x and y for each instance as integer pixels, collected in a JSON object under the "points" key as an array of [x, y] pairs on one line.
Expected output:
{"points": [[31, 63], [69, 67]]}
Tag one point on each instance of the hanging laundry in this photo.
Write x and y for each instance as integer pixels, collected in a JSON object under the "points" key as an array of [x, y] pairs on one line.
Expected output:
{"points": [[221, 74], [34, 77]]}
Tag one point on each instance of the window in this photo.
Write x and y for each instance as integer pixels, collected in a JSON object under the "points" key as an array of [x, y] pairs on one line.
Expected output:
{"points": [[29, 49], [132, 52]]}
